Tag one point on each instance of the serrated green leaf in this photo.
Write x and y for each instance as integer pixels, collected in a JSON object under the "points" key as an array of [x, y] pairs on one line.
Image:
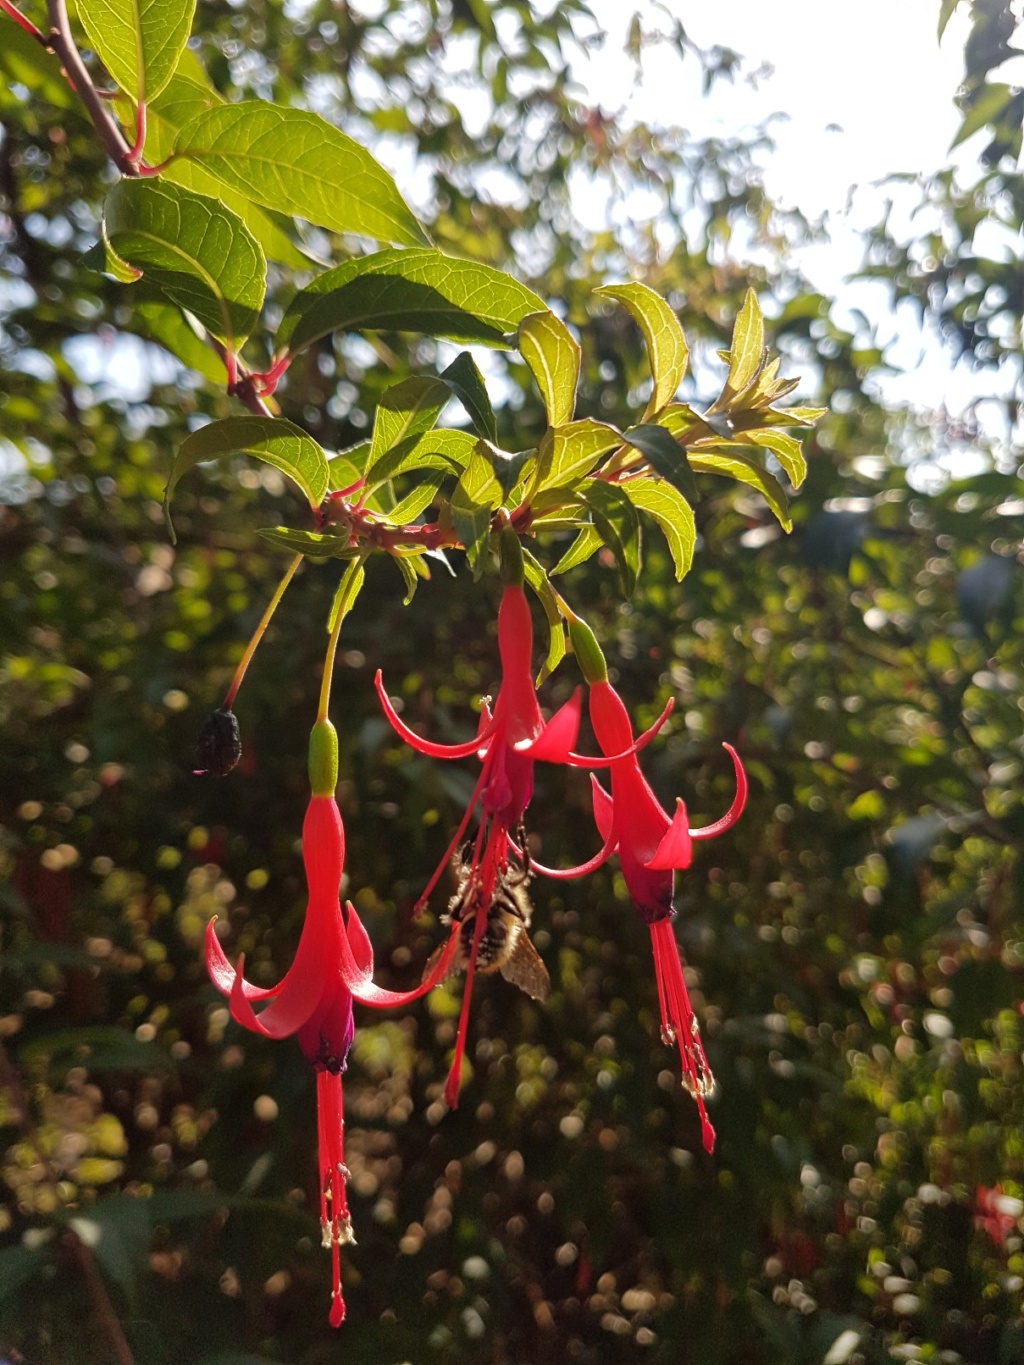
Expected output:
{"points": [[587, 542], [347, 466], [730, 460], [271, 439], [445, 449], [508, 466], [298, 163], [406, 410], [476, 496], [570, 452], [786, 449], [408, 508], [409, 576], [314, 544], [138, 41], [188, 94], [553, 355], [541, 585], [409, 291], [665, 456], [197, 251], [349, 588], [673, 514], [747, 353], [467, 384], [616, 521], [663, 336]]}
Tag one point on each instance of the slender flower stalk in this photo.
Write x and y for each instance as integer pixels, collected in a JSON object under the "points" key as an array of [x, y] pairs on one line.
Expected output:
{"points": [[259, 632]]}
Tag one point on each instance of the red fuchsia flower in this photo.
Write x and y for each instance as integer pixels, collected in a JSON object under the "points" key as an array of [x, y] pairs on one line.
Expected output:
{"points": [[508, 743], [651, 847], [313, 1000]]}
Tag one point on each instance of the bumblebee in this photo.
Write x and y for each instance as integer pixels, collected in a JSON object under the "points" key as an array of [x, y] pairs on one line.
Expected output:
{"points": [[505, 944]]}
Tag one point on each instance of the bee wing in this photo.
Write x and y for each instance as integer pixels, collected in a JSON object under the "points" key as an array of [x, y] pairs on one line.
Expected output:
{"points": [[524, 968], [455, 966]]}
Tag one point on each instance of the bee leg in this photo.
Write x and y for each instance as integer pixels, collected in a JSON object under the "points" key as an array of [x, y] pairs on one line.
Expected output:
{"points": [[523, 846]]}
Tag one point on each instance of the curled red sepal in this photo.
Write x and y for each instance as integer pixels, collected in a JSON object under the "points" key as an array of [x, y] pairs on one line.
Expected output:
{"points": [[356, 967], [427, 746], [285, 1015], [738, 802], [554, 743], [611, 843], [221, 972], [676, 849], [641, 742]]}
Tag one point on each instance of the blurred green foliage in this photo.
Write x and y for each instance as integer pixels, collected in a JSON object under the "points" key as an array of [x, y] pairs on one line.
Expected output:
{"points": [[855, 946]]}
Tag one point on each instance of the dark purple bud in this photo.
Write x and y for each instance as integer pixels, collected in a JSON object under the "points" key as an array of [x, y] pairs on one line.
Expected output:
{"points": [[219, 746]]}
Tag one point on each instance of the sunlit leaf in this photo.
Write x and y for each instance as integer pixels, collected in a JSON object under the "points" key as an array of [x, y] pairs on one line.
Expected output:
{"points": [[315, 544], [663, 336], [673, 514], [476, 496], [298, 163], [731, 460], [464, 379], [138, 41], [407, 409], [568, 453], [270, 439], [198, 252], [786, 449], [587, 542], [421, 290], [553, 355], [541, 585], [747, 353]]}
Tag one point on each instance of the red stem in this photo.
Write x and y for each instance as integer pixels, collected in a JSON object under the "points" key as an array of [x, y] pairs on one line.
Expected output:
{"points": [[13, 13]]}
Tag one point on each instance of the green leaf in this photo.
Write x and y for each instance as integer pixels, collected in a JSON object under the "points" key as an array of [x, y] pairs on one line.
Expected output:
{"points": [[198, 252], [314, 544], [349, 465], [730, 459], [586, 543], [466, 382], [117, 1231], [409, 576], [409, 291], [476, 496], [405, 410], [663, 336], [617, 523], [163, 323], [349, 588], [747, 353], [541, 585], [409, 507], [298, 163], [665, 505], [570, 452], [188, 94], [447, 449], [508, 466], [551, 352], [945, 14], [138, 41], [786, 449], [100, 1047], [270, 439], [665, 456], [19, 1265], [987, 108]]}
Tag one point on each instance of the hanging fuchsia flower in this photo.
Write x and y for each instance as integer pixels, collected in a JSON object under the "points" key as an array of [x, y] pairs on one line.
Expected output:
{"points": [[651, 847], [508, 743], [313, 1001]]}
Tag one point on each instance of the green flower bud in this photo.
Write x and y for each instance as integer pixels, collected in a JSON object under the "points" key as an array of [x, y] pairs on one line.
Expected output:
{"points": [[511, 554], [323, 758], [588, 652]]}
